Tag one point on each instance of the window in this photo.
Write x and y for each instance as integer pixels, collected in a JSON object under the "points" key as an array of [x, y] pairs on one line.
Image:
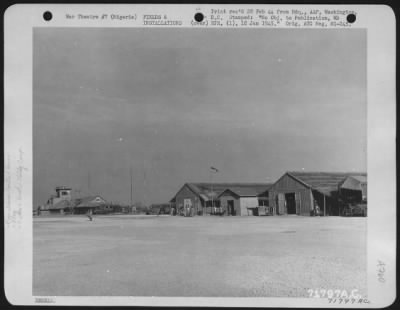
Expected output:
{"points": [[263, 202], [64, 193]]}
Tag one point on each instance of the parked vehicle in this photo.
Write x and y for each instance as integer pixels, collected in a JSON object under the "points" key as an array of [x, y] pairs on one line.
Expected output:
{"points": [[359, 209]]}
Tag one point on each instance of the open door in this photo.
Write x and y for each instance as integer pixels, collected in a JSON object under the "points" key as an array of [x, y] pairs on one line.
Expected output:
{"points": [[231, 207], [290, 203], [281, 203]]}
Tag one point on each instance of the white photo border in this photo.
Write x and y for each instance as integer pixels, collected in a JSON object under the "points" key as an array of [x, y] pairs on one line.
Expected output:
{"points": [[19, 21]]}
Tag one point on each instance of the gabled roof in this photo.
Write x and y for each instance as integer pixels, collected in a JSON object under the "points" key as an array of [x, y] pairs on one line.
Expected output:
{"points": [[354, 182], [248, 190], [208, 191], [359, 178], [228, 192], [89, 202], [324, 182]]}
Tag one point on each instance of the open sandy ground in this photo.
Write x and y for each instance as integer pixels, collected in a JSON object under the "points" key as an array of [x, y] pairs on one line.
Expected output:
{"points": [[201, 256]]}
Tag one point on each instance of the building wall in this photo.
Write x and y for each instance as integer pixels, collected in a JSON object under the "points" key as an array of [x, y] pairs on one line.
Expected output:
{"points": [[84, 210], [186, 193], [287, 184], [224, 203], [56, 211], [248, 202], [350, 182], [240, 204]]}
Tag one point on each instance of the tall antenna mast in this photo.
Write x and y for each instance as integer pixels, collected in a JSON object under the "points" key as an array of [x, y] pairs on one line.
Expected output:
{"points": [[89, 182], [131, 186], [144, 187]]}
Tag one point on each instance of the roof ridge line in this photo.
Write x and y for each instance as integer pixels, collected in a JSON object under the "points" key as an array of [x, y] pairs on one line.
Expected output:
{"points": [[297, 179]]}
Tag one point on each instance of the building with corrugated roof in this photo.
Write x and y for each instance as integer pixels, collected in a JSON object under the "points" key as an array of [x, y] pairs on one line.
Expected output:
{"points": [[91, 204], [62, 202], [205, 198], [354, 188], [302, 193], [245, 199]]}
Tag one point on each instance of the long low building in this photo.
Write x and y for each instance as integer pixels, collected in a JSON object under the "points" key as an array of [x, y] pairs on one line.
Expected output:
{"points": [[220, 198], [294, 193], [63, 203], [91, 204]]}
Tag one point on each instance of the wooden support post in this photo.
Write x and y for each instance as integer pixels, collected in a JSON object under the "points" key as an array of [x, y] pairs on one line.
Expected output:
{"points": [[324, 206], [312, 202], [300, 211]]}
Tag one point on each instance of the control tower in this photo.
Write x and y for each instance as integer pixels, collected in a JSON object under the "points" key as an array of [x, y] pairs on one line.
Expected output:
{"points": [[62, 193]]}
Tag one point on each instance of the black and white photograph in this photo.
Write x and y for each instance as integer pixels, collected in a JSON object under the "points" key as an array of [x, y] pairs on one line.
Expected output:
{"points": [[200, 162]]}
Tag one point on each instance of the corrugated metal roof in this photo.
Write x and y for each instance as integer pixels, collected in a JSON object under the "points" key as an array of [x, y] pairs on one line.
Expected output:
{"points": [[354, 182], [208, 191], [324, 182], [89, 202], [253, 190], [360, 178]]}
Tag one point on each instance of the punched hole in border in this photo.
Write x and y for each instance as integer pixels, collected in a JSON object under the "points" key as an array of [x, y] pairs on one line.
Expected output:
{"points": [[47, 16], [351, 18], [198, 17]]}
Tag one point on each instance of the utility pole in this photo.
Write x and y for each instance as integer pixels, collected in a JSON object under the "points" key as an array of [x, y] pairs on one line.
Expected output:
{"points": [[212, 196], [131, 189], [144, 187], [211, 211], [89, 183], [212, 170]]}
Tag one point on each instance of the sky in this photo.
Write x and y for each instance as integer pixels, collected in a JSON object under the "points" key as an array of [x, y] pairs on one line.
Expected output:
{"points": [[170, 103]]}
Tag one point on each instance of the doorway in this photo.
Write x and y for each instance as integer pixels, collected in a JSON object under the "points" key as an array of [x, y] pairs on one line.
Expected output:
{"points": [[255, 211], [290, 203], [231, 207]]}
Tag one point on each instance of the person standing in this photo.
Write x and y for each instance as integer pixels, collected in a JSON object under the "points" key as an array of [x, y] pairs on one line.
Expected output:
{"points": [[316, 209]]}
